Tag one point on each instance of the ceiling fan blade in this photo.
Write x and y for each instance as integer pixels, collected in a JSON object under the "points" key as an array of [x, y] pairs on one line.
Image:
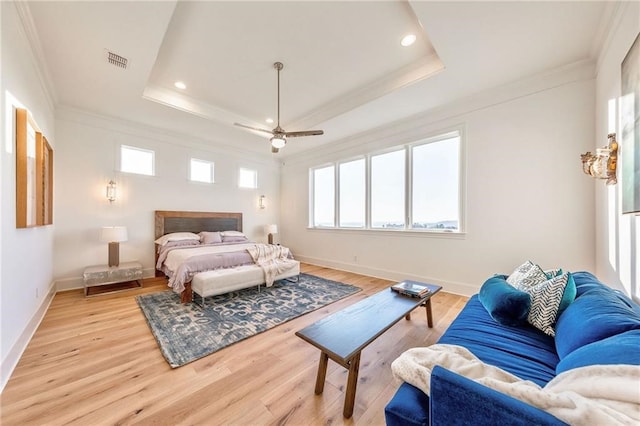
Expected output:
{"points": [[257, 129], [304, 133]]}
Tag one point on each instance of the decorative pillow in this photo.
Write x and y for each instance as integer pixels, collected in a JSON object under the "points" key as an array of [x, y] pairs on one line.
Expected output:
{"points": [[210, 237], [618, 349], [177, 236], [545, 301], [234, 239], [523, 278], [232, 234], [569, 294], [506, 304], [595, 315], [550, 273]]}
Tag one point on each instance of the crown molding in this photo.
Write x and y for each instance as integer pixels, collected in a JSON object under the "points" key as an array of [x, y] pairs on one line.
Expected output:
{"points": [[415, 127], [609, 23], [37, 54]]}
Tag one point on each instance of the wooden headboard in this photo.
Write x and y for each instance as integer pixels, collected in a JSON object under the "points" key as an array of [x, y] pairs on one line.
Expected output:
{"points": [[178, 221]]}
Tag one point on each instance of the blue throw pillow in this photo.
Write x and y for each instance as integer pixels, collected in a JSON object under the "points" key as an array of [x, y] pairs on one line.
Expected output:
{"points": [[619, 349], [597, 314], [569, 294], [506, 304]]}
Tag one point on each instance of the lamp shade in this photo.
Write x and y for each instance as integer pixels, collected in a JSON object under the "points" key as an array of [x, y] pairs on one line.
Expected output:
{"points": [[278, 141], [271, 229], [113, 234]]}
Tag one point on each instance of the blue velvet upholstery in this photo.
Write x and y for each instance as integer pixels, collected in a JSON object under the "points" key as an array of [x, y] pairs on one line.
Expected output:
{"points": [[599, 312], [601, 326], [457, 400], [505, 303], [622, 348], [569, 294], [524, 351]]}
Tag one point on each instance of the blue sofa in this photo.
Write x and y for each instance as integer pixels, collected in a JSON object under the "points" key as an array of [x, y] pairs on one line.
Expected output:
{"points": [[601, 326]]}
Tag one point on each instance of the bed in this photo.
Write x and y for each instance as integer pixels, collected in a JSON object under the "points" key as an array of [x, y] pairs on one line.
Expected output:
{"points": [[223, 261]]}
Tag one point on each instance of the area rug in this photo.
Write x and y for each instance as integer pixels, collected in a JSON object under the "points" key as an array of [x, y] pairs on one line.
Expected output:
{"points": [[186, 332]]}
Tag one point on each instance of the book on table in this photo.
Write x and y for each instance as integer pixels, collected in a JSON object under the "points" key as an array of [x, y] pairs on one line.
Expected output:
{"points": [[411, 288]]}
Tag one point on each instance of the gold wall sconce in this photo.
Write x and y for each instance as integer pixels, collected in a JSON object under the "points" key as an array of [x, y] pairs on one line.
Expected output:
{"points": [[602, 164], [262, 202], [111, 191]]}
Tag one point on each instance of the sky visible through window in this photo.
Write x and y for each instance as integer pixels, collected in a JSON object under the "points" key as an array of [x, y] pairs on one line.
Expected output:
{"points": [[136, 160], [352, 194], [201, 171]]}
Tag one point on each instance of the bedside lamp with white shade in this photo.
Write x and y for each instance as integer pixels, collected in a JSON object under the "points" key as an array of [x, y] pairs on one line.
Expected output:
{"points": [[270, 230], [113, 235]]}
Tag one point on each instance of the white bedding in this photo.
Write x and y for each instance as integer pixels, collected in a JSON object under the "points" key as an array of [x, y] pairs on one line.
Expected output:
{"points": [[176, 257]]}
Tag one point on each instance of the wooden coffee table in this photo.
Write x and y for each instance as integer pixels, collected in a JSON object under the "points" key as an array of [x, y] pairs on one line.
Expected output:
{"points": [[342, 336]]}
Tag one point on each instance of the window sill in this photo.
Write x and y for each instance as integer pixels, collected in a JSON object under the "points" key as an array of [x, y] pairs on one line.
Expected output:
{"points": [[394, 232]]}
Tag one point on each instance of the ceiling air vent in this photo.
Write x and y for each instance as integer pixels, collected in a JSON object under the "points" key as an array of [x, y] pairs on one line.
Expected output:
{"points": [[117, 60]]}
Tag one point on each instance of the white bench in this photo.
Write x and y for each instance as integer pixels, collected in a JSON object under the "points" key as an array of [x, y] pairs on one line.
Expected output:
{"points": [[220, 281]]}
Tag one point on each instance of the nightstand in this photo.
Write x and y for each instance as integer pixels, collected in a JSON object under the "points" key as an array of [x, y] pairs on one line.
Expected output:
{"points": [[101, 279]]}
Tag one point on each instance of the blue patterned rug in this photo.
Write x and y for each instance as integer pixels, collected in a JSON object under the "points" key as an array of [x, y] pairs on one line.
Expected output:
{"points": [[186, 332]]}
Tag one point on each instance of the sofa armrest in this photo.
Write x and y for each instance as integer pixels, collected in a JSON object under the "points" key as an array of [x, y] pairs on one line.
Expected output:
{"points": [[456, 400]]}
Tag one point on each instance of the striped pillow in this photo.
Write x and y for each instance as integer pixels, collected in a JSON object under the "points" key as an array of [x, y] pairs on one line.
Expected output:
{"points": [[545, 301]]}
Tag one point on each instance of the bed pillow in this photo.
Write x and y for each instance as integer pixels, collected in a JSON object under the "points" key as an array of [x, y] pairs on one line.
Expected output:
{"points": [[505, 303], [232, 234], [177, 236], [210, 237], [234, 239]]}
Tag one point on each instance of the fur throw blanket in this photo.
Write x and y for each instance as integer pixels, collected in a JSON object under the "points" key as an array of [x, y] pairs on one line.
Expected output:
{"points": [[273, 260], [593, 395]]}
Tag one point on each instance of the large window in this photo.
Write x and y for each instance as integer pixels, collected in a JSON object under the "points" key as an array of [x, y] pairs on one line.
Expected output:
{"points": [[324, 197], [413, 187], [136, 160], [352, 194], [387, 190]]}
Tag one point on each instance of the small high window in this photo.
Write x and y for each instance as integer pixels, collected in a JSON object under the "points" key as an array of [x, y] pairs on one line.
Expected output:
{"points": [[136, 160], [201, 171], [248, 178]]}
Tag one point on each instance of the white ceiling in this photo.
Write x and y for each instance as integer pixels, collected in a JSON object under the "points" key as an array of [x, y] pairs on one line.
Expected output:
{"points": [[344, 69]]}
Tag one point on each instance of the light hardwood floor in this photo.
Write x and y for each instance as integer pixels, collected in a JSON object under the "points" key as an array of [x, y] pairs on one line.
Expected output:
{"points": [[94, 361]]}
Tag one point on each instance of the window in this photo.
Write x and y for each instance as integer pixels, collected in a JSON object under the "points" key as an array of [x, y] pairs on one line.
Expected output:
{"points": [[324, 197], [201, 171], [415, 187], [352, 194], [436, 185], [248, 178], [136, 160], [387, 190]]}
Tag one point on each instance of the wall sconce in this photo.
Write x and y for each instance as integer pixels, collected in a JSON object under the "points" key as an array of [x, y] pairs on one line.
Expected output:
{"points": [[602, 164], [111, 191], [270, 230], [262, 202]]}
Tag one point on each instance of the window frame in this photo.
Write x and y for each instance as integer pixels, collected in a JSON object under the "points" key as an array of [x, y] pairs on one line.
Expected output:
{"points": [[136, 148], [212, 170], [255, 178], [454, 132]]}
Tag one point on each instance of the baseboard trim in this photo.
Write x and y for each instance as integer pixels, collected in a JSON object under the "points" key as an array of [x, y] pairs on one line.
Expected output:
{"points": [[13, 357], [453, 287]]}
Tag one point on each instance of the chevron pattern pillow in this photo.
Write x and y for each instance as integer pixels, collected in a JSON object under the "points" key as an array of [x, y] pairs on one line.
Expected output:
{"points": [[545, 301], [526, 276]]}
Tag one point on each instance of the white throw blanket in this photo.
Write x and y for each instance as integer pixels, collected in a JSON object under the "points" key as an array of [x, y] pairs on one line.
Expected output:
{"points": [[593, 395], [273, 260]]}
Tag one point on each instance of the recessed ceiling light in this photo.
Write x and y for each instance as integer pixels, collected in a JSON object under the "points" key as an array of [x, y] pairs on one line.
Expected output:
{"points": [[180, 85], [269, 120], [408, 40]]}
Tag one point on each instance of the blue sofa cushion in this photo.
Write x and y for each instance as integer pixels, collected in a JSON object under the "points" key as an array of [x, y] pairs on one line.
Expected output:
{"points": [[505, 303], [524, 351], [409, 406], [597, 313], [619, 349]]}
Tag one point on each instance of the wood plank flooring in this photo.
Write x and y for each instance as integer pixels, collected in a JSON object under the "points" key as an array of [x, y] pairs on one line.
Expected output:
{"points": [[94, 361]]}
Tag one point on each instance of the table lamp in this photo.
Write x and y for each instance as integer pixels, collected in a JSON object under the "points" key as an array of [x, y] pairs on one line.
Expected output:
{"points": [[113, 235], [270, 230]]}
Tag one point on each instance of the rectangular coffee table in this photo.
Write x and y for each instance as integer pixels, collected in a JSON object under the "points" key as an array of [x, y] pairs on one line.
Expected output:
{"points": [[342, 335]]}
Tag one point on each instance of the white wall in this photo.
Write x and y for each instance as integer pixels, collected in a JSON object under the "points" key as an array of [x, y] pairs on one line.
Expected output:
{"points": [[618, 236], [527, 197], [87, 158], [26, 255]]}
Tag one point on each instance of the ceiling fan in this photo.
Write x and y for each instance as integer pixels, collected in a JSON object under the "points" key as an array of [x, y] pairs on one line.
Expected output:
{"points": [[279, 135]]}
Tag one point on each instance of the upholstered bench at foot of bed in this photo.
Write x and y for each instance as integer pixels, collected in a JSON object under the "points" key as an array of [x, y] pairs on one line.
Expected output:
{"points": [[222, 281]]}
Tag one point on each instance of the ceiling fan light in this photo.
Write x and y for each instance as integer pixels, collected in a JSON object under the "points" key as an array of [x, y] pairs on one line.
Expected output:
{"points": [[278, 142]]}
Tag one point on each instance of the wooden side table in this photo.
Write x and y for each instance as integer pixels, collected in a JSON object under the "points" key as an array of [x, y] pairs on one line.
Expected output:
{"points": [[101, 279]]}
